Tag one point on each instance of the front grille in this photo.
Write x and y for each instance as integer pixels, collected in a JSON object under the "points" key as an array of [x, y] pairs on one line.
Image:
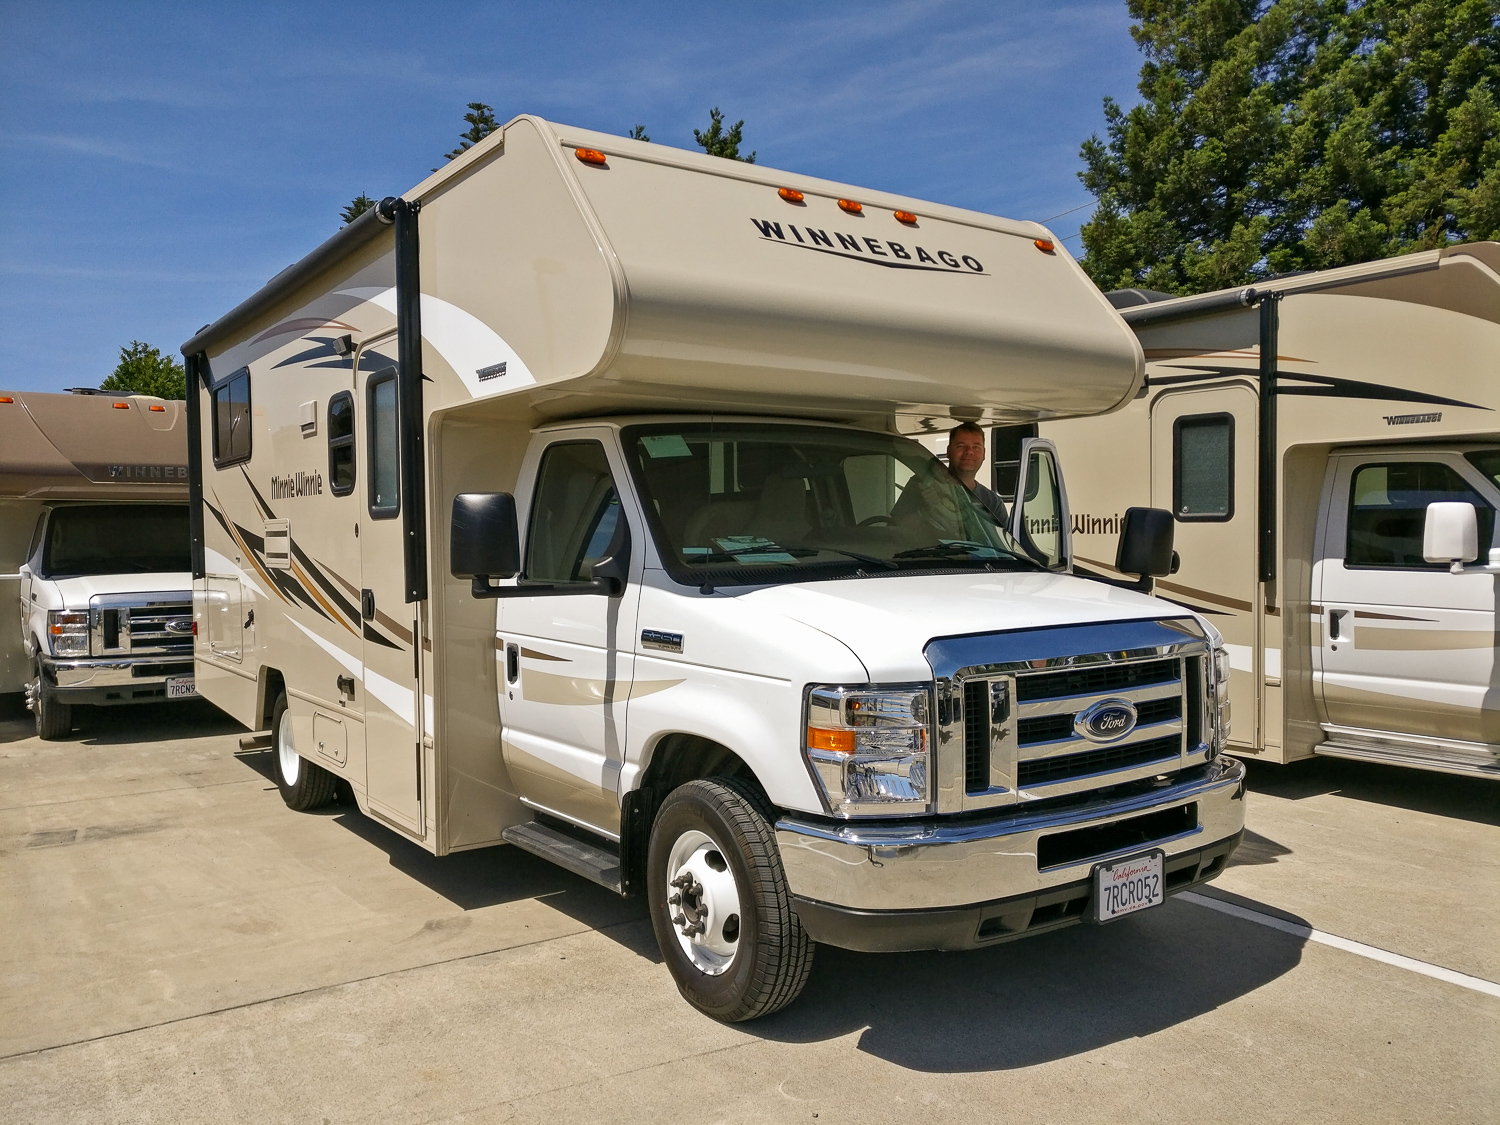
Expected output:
{"points": [[1054, 728], [149, 630], [1095, 680], [150, 671], [976, 735], [1065, 766], [1105, 839]]}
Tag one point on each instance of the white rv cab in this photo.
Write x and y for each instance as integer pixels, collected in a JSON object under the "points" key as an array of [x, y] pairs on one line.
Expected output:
{"points": [[94, 535], [563, 502], [1304, 434]]}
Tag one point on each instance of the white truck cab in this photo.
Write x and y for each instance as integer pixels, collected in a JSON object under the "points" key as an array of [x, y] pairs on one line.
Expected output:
{"points": [[94, 519], [564, 503]]}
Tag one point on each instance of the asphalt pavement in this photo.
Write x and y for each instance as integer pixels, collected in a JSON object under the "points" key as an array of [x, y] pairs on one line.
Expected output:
{"points": [[177, 945]]}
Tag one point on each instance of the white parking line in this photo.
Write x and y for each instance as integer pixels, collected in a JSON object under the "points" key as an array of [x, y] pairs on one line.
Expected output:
{"points": [[1307, 933]]}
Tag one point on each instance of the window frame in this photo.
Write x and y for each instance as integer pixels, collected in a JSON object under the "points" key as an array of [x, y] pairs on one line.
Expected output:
{"points": [[388, 511], [213, 403], [536, 499], [1177, 467], [1386, 462], [348, 441]]}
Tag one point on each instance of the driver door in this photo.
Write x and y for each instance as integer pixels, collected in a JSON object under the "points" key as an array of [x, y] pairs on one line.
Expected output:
{"points": [[1039, 517]]}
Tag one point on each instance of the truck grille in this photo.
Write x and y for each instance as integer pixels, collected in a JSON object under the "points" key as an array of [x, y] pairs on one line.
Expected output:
{"points": [[142, 625]]}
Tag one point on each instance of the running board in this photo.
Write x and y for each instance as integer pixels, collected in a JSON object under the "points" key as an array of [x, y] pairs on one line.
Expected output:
{"points": [[594, 863], [1391, 756], [260, 740]]}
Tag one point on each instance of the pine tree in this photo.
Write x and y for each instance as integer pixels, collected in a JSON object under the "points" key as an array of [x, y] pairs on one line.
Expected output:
{"points": [[357, 207], [638, 133], [143, 370], [1278, 135], [717, 142], [482, 123]]}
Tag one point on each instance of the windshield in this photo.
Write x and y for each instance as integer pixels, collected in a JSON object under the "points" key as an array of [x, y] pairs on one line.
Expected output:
{"points": [[116, 539], [1487, 461], [753, 502]]}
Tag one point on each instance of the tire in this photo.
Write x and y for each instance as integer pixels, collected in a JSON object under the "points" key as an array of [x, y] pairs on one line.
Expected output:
{"points": [[54, 719], [304, 785], [718, 836]]}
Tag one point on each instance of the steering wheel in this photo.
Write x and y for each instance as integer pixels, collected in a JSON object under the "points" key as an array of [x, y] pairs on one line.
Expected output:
{"points": [[870, 521]]}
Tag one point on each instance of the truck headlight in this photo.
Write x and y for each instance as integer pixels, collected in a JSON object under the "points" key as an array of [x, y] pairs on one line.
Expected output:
{"points": [[68, 632], [868, 747], [1219, 699]]}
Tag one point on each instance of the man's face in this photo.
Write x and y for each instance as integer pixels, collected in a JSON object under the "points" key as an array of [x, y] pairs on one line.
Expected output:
{"points": [[966, 452]]}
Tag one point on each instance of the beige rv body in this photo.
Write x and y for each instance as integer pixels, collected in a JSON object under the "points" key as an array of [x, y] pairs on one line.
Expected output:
{"points": [[1417, 339]]}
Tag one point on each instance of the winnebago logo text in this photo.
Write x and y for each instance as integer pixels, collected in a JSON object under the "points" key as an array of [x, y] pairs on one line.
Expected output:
{"points": [[302, 484], [493, 371], [1411, 419], [148, 472], [895, 255]]}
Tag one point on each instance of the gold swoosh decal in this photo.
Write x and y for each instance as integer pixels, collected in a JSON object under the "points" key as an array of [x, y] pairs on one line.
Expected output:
{"points": [[534, 655], [1376, 639]]}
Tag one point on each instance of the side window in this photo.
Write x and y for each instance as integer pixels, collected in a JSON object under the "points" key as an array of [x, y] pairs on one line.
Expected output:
{"points": [[1041, 510], [341, 443], [1005, 458], [1388, 511], [36, 539], [573, 514], [1203, 467], [384, 446], [231, 419]]}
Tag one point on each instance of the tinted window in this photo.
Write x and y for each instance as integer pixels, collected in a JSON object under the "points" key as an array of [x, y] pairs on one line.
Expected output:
{"points": [[1487, 461], [1203, 467], [116, 539], [231, 419], [573, 515], [1388, 511], [341, 443], [385, 461]]}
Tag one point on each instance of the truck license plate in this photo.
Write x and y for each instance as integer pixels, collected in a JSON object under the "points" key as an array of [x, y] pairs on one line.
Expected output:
{"points": [[1128, 885], [180, 687]]}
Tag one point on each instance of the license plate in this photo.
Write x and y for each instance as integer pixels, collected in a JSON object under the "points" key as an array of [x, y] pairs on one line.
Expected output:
{"points": [[1128, 885], [180, 687]]}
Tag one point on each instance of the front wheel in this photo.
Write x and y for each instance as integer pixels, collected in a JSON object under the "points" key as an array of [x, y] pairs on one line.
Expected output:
{"points": [[54, 719], [303, 784], [720, 905]]}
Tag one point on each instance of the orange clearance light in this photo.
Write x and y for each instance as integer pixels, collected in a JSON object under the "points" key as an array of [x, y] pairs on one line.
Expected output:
{"points": [[122, 406], [906, 217], [6, 398], [791, 195], [1045, 245], [591, 156], [158, 410], [852, 207], [821, 738]]}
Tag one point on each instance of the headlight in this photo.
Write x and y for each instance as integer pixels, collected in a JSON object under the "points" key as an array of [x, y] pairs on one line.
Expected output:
{"points": [[868, 748], [1219, 700], [69, 632]]}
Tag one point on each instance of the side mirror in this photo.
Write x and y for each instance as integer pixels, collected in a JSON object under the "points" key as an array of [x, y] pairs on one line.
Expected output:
{"points": [[485, 541], [1451, 534], [1146, 545]]}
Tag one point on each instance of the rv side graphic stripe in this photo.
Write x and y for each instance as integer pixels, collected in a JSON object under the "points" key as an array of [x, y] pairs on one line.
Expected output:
{"points": [[309, 567], [1326, 386], [260, 501], [309, 588], [1187, 591], [371, 635]]}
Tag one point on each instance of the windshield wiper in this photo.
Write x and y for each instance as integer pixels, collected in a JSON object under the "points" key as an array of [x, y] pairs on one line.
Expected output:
{"points": [[965, 549], [857, 556], [761, 549]]}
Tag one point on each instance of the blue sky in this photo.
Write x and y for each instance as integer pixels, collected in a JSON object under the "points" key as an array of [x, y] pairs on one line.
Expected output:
{"points": [[159, 162]]}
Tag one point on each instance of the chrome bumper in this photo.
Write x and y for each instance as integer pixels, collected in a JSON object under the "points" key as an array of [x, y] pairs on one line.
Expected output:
{"points": [[938, 863], [136, 672]]}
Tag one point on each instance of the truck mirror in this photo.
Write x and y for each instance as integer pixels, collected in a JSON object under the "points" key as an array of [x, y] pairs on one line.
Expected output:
{"points": [[485, 541], [1145, 544], [1451, 534]]}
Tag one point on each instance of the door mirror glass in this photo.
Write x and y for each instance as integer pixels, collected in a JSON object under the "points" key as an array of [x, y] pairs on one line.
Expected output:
{"points": [[1145, 543], [1450, 533], [484, 541]]}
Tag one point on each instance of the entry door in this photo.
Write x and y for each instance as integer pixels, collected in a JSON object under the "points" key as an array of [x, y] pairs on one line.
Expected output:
{"points": [[1406, 647], [1203, 447], [569, 658], [393, 743], [1039, 518]]}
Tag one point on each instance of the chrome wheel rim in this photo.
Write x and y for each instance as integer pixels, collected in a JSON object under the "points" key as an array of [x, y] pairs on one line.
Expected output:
{"points": [[287, 758], [703, 902]]}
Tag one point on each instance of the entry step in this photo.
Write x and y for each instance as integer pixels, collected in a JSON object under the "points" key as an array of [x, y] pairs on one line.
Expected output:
{"points": [[594, 862]]}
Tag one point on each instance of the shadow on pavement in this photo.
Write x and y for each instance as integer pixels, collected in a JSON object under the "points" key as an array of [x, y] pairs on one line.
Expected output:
{"points": [[1255, 850], [1441, 794], [1037, 1000]]}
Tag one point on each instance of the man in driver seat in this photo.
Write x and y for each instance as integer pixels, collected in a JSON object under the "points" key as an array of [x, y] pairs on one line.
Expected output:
{"points": [[965, 459]]}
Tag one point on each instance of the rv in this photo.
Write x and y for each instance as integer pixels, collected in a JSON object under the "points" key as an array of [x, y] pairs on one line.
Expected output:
{"points": [[562, 503], [94, 548], [1300, 432]]}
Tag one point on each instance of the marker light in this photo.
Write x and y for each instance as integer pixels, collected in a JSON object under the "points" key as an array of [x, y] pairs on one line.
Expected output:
{"points": [[852, 207], [591, 156], [1045, 245], [791, 195], [158, 410], [122, 406], [6, 398], [906, 217]]}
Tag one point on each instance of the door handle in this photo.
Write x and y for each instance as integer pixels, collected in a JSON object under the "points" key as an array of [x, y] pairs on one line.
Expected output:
{"points": [[512, 663], [1335, 616], [367, 604]]}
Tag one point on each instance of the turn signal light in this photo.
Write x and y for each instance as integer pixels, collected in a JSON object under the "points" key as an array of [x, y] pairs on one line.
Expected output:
{"points": [[791, 195], [1045, 245], [821, 738], [122, 406], [906, 217], [852, 207], [591, 156], [158, 410]]}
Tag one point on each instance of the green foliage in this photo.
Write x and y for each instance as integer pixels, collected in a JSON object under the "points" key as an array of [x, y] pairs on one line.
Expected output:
{"points": [[482, 123], [143, 370], [638, 133], [1278, 135], [357, 207], [716, 141]]}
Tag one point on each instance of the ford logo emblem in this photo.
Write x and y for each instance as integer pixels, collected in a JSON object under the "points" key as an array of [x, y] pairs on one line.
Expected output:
{"points": [[1108, 720], [180, 625]]}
